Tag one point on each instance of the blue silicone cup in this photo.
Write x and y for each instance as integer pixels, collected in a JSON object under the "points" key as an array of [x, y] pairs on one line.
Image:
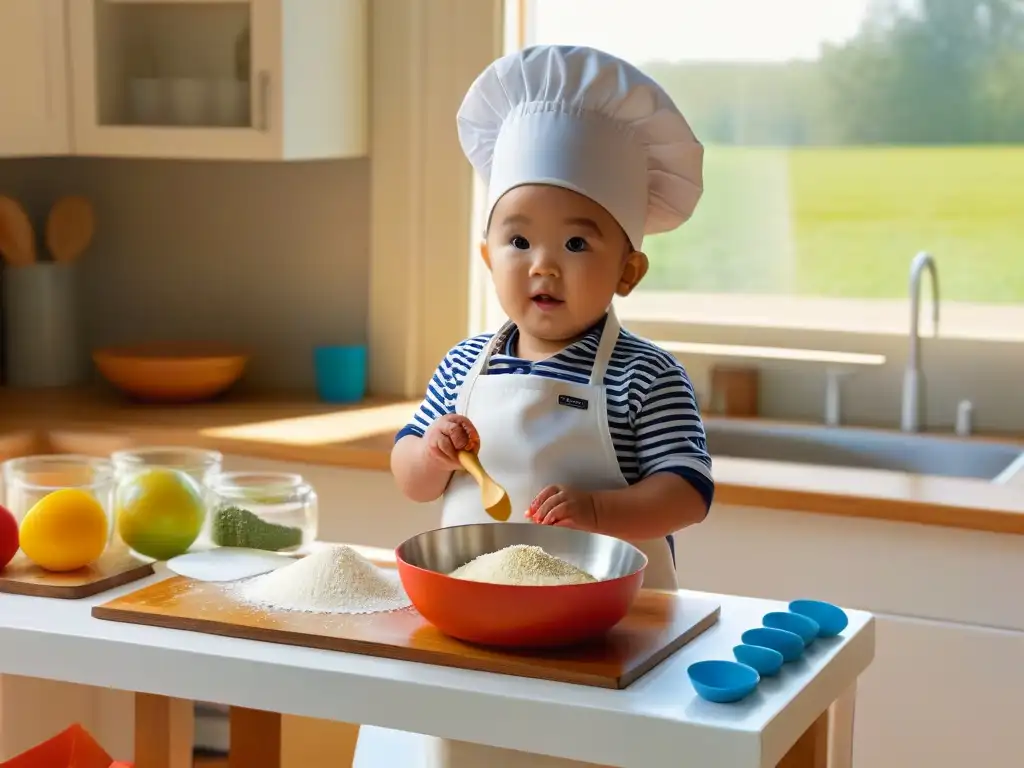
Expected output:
{"points": [[767, 661], [831, 619], [722, 682], [793, 622], [791, 646], [340, 373]]}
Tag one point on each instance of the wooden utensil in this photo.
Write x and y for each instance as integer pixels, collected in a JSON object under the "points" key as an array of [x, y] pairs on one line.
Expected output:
{"points": [[17, 238], [657, 625], [69, 228], [494, 497]]}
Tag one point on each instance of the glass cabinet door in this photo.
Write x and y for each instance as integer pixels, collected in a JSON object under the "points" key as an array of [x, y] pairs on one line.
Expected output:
{"points": [[174, 63]]}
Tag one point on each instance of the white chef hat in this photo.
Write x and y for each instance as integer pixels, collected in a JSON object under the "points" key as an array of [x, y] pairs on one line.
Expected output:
{"points": [[581, 119]]}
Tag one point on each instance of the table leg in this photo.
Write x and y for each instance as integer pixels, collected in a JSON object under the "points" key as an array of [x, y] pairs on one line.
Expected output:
{"points": [[164, 731], [811, 749], [310, 743], [255, 740], [268, 740], [841, 727]]}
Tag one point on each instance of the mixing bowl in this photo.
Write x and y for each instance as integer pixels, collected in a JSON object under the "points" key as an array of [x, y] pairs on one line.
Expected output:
{"points": [[171, 372], [520, 616]]}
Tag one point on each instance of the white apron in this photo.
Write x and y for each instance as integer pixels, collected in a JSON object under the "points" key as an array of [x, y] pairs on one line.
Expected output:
{"points": [[534, 432]]}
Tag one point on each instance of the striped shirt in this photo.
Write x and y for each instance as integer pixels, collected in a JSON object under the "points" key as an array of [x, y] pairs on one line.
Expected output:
{"points": [[652, 413]]}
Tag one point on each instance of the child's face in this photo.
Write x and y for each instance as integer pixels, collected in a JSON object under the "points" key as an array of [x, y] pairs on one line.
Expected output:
{"points": [[557, 258]]}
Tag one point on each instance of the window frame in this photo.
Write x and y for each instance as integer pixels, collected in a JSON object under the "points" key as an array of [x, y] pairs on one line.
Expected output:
{"points": [[844, 317], [425, 227], [425, 55]]}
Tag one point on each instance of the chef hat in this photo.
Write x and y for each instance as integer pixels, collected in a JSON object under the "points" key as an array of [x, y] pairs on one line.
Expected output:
{"points": [[581, 119]]}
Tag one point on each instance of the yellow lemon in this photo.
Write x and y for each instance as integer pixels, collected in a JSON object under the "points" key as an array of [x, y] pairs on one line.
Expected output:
{"points": [[160, 512], [65, 530]]}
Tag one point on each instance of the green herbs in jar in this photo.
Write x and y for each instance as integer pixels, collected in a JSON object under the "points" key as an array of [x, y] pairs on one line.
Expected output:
{"points": [[237, 527]]}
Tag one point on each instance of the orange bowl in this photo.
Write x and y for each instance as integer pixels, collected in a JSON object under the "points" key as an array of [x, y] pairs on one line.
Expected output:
{"points": [[520, 616], [171, 372]]}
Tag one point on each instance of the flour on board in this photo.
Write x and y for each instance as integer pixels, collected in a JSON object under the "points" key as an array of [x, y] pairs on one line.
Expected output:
{"points": [[333, 580], [522, 565]]}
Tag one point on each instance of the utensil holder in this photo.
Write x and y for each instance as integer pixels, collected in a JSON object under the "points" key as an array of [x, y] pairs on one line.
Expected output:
{"points": [[40, 327]]}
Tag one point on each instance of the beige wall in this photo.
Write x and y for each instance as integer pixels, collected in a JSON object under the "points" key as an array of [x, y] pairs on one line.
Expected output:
{"points": [[274, 256], [988, 373]]}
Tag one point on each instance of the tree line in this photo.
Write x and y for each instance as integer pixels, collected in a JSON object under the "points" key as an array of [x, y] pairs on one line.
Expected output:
{"points": [[923, 72]]}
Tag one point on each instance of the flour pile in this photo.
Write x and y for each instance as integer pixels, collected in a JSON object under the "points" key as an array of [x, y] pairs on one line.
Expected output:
{"points": [[522, 565], [334, 580]]}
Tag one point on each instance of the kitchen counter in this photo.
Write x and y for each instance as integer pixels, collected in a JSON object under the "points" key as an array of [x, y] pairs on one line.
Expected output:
{"points": [[300, 429], [650, 724]]}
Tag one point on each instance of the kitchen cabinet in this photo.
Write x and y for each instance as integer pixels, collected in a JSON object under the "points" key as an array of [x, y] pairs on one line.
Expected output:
{"points": [[33, 78], [949, 655], [219, 79], [940, 695]]}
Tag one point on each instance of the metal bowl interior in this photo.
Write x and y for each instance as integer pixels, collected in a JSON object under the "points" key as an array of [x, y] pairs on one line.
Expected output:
{"points": [[445, 549]]}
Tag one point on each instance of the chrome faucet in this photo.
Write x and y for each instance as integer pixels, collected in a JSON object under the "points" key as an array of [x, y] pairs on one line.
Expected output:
{"points": [[913, 380]]}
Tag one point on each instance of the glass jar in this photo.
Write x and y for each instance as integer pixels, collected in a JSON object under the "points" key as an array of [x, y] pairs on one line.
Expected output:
{"points": [[200, 464], [263, 510], [29, 478]]}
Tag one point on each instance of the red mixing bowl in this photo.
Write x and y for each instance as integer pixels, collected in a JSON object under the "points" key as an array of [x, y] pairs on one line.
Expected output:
{"points": [[520, 616]]}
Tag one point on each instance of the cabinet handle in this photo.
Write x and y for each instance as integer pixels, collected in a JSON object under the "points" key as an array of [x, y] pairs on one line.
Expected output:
{"points": [[264, 97]]}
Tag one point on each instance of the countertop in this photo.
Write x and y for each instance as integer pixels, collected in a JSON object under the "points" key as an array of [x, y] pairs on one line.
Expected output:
{"points": [[300, 429], [648, 725]]}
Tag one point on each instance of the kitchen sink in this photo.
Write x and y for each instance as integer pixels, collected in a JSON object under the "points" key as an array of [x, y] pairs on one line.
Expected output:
{"points": [[864, 448]]}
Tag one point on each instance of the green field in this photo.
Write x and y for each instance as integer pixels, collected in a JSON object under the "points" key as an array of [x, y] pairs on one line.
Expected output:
{"points": [[846, 222]]}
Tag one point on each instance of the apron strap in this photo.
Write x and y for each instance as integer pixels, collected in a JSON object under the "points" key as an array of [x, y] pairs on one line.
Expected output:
{"points": [[609, 337], [479, 366]]}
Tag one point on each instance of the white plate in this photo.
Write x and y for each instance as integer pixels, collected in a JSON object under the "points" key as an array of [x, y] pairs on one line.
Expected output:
{"points": [[227, 563]]}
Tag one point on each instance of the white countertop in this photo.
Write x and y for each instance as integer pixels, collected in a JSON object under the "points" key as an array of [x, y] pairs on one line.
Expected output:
{"points": [[647, 725]]}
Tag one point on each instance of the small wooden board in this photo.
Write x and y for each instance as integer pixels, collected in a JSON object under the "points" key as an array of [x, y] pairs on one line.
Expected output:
{"points": [[115, 568], [658, 624]]}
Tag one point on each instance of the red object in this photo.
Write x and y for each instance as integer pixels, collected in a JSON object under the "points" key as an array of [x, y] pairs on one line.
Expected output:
{"points": [[518, 617], [71, 748], [8, 537]]}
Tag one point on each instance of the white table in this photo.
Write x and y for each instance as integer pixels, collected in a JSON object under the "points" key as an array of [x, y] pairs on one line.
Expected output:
{"points": [[651, 724]]}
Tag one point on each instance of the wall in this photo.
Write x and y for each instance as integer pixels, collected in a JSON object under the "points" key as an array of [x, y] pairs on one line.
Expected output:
{"points": [[986, 372], [273, 256]]}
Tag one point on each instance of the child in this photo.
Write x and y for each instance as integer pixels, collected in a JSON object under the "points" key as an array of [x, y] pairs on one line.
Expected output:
{"points": [[583, 423]]}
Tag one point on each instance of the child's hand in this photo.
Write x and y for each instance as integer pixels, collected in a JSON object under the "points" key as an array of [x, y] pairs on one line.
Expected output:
{"points": [[447, 436], [558, 505]]}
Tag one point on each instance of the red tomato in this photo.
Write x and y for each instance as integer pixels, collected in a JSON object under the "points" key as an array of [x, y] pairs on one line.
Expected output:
{"points": [[8, 537]]}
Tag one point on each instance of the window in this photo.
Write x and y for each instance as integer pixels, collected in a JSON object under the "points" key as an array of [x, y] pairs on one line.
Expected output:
{"points": [[842, 138]]}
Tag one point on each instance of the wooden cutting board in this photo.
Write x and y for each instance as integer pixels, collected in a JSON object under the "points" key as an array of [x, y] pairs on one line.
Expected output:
{"points": [[658, 624], [115, 568]]}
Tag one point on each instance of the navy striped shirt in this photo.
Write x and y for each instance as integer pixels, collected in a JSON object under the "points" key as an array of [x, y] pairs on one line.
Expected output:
{"points": [[652, 413]]}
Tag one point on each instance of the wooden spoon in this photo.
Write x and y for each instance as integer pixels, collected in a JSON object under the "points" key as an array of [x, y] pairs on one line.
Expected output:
{"points": [[495, 499], [69, 228], [17, 238]]}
